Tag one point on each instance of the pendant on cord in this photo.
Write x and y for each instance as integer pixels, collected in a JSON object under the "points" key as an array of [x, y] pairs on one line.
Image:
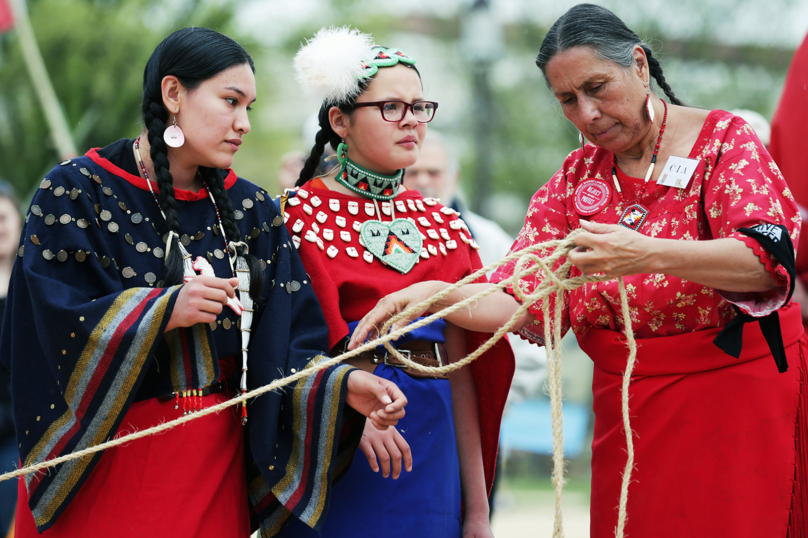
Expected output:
{"points": [[633, 217], [397, 244]]}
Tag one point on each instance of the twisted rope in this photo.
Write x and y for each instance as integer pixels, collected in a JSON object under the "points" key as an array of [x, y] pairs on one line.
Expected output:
{"points": [[528, 262]]}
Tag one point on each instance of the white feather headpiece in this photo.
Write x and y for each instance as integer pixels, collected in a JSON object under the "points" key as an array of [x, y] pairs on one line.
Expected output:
{"points": [[329, 66]]}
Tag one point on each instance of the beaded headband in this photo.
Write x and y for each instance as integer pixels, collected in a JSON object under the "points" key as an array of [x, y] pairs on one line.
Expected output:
{"points": [[331, 64]]}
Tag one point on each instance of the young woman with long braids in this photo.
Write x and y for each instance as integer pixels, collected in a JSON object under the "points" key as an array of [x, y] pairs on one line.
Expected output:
{"points": [[362, 235], [152, 282]]}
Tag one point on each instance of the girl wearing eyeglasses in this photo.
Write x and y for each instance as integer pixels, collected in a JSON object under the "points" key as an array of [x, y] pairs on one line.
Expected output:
{"points": [[362, 234]]}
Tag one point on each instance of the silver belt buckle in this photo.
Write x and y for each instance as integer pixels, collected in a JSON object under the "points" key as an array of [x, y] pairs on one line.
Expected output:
{"points": [[406, 352], [438, 356]]}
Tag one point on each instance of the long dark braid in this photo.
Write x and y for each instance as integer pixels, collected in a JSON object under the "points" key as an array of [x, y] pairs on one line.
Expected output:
{"points": [[325, 135], [193, 55], [214, 179], [154, 116], [655, 69]]}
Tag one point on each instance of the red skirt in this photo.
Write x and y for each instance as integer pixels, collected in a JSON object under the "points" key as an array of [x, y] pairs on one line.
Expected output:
{"points": [[716, 438], [188, 481]]}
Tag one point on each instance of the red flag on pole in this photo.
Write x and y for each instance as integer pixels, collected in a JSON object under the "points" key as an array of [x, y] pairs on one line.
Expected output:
{"points": [[6, 17]]}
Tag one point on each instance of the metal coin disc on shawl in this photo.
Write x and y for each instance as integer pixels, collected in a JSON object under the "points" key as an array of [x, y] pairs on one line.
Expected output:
{"points": [[397, 243]]}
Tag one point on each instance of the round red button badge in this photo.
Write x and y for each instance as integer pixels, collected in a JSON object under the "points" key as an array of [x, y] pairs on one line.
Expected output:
{"points": [[591, 196]]}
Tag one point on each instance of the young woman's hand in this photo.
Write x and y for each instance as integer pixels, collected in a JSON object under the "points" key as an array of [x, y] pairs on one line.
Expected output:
{"points": [[477, 526], [200, 300], [378, 399], [389, 306], [388, 447]]}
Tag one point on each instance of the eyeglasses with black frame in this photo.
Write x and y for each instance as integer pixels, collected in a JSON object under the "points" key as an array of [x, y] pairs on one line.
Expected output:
{"points": [[394, 111]]}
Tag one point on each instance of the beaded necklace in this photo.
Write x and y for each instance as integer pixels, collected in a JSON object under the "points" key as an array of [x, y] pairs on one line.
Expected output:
{"points": [[171, 233], [635, 214], [368, 184], [397, 243], [240, 270]]}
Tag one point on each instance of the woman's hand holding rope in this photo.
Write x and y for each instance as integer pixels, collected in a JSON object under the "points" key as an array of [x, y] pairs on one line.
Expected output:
{"points": [[610, 249]]}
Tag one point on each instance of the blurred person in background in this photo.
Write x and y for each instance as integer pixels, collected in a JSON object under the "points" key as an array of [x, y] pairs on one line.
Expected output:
{"points": [[10, 228], [436, 174], [291, 165], [703, 242]]}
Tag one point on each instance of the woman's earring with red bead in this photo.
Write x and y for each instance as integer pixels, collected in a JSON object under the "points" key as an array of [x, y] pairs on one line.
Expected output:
{"points": [[649, 106]]}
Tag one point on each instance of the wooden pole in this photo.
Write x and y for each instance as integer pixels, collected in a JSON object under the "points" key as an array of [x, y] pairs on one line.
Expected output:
{"points": [[60, 133]]}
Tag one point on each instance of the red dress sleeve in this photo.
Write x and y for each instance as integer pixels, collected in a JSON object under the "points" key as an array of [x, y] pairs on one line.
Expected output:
{"points": [[746, 188], [546, 220]]}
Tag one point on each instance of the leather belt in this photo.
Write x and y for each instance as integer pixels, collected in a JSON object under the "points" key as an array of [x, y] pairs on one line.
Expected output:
{"points": [[431, 354]]}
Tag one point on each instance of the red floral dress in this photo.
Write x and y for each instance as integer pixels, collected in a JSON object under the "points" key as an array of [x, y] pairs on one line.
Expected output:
{"points": [[736, 185], [685, 437]]}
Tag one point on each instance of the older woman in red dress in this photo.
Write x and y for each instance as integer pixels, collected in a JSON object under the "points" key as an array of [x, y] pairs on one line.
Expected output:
{"points": [[689, 208]]}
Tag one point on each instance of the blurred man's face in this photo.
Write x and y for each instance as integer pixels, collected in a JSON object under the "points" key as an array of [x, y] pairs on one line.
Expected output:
{"points": [[430, 173]]}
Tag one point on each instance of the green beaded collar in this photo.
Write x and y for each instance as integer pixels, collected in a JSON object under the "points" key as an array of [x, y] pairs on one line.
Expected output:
{"points": [[364, 182]]}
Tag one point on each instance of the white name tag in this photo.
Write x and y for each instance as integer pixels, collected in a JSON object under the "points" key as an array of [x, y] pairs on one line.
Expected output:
{"points": [[677, 172]]}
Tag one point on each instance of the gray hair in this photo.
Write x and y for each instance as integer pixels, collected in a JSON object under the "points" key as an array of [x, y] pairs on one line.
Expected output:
{"points": [[436, 137], [588, 25]]}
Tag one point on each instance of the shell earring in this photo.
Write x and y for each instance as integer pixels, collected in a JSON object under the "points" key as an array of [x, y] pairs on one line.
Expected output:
{"points": [[649, 107], [581, 139], [174, 136]]}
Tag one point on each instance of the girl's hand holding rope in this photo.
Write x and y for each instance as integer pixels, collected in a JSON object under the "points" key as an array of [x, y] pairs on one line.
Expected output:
{"points": [[389, 306], [378, 399]]}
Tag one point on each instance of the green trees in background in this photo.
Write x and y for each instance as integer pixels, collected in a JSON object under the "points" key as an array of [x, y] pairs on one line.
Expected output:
{"points": [[95, 51]]}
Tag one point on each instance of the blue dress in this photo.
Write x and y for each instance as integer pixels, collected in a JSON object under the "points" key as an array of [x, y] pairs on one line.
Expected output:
{"points": [[365, 503], [424, 502]]}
